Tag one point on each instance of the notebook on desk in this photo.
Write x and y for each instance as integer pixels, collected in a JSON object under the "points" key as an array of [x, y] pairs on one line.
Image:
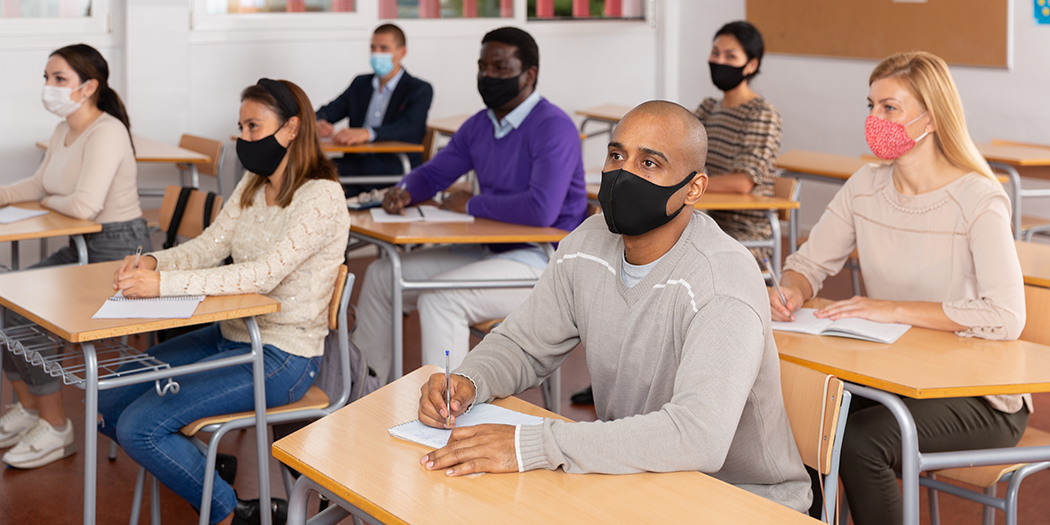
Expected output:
{"points": [[420, 214], [9, 214], [165, 307], [482, 414], [807, 323]]}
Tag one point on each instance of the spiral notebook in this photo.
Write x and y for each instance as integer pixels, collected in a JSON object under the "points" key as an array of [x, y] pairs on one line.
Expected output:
{"points": [[166, 307], [482, 414], [807, 323]]}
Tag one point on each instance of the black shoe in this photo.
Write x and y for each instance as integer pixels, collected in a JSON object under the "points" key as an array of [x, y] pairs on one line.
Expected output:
{"points": [[248, 512], [583, 397], [226, 467]]}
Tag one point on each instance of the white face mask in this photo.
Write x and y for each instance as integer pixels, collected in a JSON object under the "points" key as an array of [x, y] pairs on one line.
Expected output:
{"points": [[59, 100]]}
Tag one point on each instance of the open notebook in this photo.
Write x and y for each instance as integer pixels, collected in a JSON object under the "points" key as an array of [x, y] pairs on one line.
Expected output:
{"points": [[166, 307], [9, 214], [807, 323], [420, 214], [481, 414]]}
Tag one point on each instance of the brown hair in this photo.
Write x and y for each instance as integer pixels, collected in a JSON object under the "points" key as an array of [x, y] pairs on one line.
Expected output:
{"points": [[927, 77], [391, 29], [306, 160], [88, 64]]}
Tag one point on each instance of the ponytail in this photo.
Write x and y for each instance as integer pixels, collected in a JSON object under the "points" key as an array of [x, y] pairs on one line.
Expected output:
{"points": [[109, 101]]}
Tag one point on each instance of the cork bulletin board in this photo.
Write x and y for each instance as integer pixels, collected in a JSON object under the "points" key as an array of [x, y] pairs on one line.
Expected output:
{"points": [[965, 32]]}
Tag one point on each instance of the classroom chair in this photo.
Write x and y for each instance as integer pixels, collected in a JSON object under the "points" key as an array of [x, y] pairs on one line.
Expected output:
{"points": [[816, 405], [550, 388], [214, 149], [314, 405], [191, 221]]}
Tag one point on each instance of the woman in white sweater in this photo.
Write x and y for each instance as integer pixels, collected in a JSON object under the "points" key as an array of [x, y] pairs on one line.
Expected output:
{"points": [[932, 228], [88, 173], [286, 227]]}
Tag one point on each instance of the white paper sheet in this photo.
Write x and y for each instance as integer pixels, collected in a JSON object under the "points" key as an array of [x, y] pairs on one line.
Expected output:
{"points": [[419, 214], [9, 214], [483, 414], [170, 307]]}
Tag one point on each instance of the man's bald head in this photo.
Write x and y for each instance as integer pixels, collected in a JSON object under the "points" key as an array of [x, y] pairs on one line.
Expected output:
{"points": [[680, 127]]}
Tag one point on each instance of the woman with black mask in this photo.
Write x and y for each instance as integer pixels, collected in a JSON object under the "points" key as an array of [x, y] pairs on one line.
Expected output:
{"points": [[743, 131]]}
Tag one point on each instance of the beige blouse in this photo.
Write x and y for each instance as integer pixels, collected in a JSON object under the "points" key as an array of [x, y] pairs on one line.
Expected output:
{"points": [[94, 178], [290, 254], [952, 245]]}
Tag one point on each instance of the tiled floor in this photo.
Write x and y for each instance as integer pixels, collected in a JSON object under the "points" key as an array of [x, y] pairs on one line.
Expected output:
{"points": [[53, 494]]}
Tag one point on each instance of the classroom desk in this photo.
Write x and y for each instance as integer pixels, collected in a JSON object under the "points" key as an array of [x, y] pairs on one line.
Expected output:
{"points": [[732, 201], [62, 300], [607, 114], [926, 364], [388, 236], [151, 151], [350, 458], [1035, 266], [1007, 158], [53, 224]]}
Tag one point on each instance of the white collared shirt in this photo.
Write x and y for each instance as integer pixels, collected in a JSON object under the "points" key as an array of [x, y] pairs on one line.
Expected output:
{"points": [[513, 119], [379, 102]]}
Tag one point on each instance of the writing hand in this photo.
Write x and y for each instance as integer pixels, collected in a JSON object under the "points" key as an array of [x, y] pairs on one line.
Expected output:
{"points": [[481, 448], [395, 200], [861, 308], [780, 311], [146, 262], [432, 399], [139, 282]]}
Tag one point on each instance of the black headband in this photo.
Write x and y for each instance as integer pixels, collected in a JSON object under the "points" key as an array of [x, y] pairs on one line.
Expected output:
{"points": [[282, 95]]}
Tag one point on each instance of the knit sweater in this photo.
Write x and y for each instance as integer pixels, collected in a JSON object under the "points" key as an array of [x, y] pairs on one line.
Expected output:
{"points": [[532, 176], [94, 178], [685, 372], [951, 245], [290, 254]]}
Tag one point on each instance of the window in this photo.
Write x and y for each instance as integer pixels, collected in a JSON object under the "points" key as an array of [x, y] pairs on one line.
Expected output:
{"points": [[219, 7], [45, 8], [577, 9], [446, 9]]}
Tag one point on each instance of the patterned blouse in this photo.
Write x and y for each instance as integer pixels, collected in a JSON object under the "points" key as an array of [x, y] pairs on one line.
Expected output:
{"points": [[744, 139]]}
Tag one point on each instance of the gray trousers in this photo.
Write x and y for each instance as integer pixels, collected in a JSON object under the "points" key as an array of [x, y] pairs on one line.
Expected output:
{"points": [[871, 446], [114, 242]]}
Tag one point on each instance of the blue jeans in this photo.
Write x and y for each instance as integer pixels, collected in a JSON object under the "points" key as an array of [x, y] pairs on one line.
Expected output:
{"points": [[147, 425]]}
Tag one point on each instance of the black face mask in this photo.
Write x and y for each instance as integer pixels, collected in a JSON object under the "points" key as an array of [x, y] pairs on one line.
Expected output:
{"points": [[633, 205], [496, 92], [726, 77], [261, 157]]}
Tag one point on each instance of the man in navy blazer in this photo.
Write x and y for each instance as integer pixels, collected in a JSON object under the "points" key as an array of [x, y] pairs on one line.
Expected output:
{"points": [[387, 105]]}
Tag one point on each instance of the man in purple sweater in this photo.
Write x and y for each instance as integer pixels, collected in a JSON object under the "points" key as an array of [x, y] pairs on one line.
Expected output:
{"points": [[526, 154]]}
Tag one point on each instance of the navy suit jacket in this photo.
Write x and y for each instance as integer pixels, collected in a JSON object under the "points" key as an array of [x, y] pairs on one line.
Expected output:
{"points": [[405, 120]]}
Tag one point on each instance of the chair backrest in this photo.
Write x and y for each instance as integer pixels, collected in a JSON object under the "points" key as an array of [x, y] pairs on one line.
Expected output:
{"points": [[337, 294], [192, 223], [812, 400], [786, 188], [212, 148]]}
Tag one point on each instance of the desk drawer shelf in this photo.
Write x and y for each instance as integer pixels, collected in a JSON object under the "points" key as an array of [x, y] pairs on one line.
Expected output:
{"points": [[29, 341]]}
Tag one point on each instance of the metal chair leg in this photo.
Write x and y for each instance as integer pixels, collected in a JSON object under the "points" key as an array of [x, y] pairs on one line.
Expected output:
{"points": [[112, 450], [136, 500], [989, 512], [154, 501], [935, 508]]}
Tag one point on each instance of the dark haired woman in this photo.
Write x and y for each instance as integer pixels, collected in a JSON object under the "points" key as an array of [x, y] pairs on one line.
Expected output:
{"points": [[88, 173], [743, 131], [286, 226]]}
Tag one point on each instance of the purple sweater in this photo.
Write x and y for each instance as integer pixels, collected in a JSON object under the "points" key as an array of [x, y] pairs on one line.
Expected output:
{"points": [[531, 176]]}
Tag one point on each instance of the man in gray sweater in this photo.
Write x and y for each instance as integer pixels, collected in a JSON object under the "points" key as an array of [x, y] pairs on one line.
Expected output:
{"points": [[675, 321]]}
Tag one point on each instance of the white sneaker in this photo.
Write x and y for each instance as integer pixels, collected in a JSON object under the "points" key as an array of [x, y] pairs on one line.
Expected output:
{"points": [[15, 424], [42, 445]]}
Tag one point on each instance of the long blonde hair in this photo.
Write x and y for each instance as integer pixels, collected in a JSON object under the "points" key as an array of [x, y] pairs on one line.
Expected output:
{"points": [[927, 77]]}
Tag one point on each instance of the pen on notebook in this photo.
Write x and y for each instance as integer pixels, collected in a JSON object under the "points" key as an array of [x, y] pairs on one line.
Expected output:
{"points": [[138, 253], [776, 282], [448, 395]]}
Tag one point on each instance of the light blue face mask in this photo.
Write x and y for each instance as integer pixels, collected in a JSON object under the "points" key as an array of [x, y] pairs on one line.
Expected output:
{"points": [[382, 63]]}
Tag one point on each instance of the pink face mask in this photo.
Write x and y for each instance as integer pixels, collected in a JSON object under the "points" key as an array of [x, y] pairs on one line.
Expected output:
{"points": [[889, 140]]}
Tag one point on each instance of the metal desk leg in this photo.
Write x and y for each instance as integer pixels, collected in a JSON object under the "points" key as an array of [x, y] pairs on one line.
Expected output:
{"points": [[82, 253], [1015, 193], [90, 432], [194, 176], [15, 255], [774, 225], [406, 166], [793, 233], [910, 457], [261, 435]]}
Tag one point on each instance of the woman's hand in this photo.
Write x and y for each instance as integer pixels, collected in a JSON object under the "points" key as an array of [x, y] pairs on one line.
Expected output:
{"points": [[783, 312], [861, 308], [146, 262]]}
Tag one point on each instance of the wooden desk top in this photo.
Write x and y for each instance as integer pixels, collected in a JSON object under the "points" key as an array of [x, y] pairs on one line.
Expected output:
{"points": [[924, 364], [351, 454], [1035, 264], [385, 146], [481, 231], [823, 164], [53, 224], [726, 201], [607, 112], [63, 299], [147, 150], [1014, 154], [448, 125]]}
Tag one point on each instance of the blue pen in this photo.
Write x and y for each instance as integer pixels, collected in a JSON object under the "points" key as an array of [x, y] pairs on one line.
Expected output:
{"points": [[448, 395]]}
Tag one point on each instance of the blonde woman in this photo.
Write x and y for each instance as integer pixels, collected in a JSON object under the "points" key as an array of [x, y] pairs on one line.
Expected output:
{"points": [[932, 228]]}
